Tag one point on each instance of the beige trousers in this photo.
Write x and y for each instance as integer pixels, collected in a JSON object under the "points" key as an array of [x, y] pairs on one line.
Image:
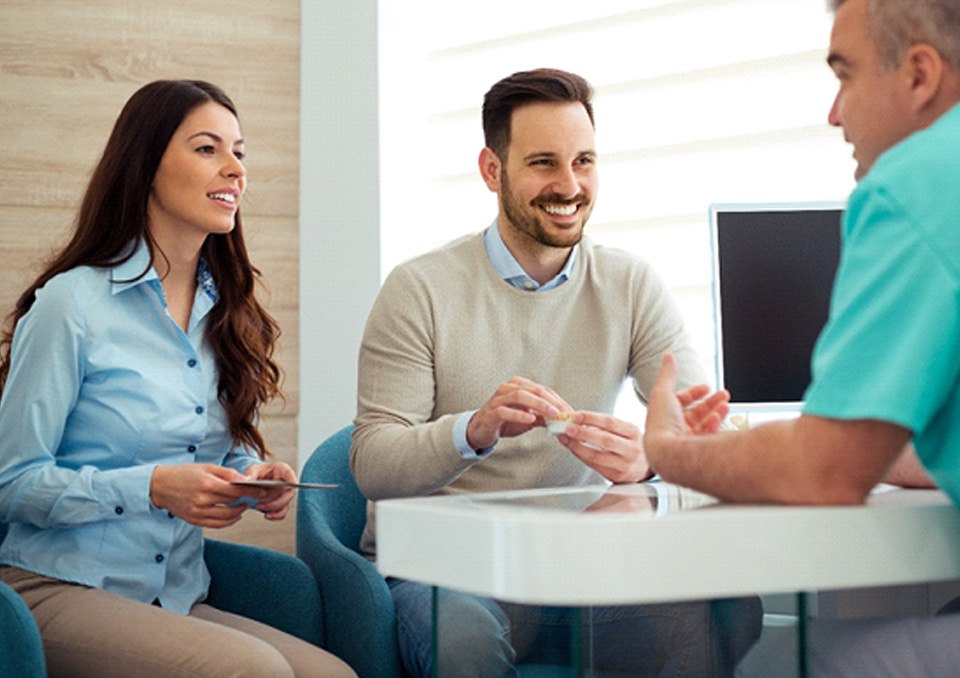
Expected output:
{"points": [[90, 632]]}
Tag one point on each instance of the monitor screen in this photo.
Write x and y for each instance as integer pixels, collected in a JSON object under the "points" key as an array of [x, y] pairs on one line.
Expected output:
{"points": [[773, 271]]}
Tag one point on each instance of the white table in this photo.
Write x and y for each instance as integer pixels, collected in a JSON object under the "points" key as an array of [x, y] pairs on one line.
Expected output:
{"points": [[546, 547]]}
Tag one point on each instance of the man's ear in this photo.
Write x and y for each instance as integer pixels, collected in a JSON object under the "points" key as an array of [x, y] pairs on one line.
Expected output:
{"points": [[490, 169], [925, 69]]}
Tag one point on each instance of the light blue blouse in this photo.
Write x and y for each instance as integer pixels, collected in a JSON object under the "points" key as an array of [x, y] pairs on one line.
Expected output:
{"points": [[103, 387]]}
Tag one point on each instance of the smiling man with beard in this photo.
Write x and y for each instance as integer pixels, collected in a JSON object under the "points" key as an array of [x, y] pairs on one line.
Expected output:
{"points": [[470, 349]]}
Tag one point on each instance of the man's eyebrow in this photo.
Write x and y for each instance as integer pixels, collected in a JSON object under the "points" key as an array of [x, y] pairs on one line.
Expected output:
{"points": [[215, 137], [549, 155]]}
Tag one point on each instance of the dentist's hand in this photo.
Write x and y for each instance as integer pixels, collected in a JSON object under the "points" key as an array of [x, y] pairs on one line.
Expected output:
{"points": [[672, 415]]}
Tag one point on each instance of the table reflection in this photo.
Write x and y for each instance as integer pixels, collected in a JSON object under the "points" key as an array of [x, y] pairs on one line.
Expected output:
{"points": [[653, 498]]}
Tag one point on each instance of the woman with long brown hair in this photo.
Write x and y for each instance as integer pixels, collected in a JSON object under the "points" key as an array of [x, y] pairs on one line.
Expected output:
{"points": [[132, 374]]}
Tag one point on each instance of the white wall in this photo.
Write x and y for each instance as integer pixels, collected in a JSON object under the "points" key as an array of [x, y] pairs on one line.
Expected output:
{"points": [[339, 207]]}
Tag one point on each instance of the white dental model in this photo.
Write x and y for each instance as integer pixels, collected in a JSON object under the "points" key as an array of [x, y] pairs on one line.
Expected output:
{"points": [[559, 425]]}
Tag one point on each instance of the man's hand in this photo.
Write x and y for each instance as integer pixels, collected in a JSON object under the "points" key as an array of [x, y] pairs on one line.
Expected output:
{"points": [[516, 407], [615, 448], [612, 447]]}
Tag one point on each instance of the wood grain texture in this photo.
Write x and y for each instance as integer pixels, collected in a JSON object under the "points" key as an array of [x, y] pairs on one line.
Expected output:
{"points": [[67, 68]]}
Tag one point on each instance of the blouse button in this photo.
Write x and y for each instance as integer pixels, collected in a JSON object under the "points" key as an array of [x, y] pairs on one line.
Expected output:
{"points": [[199, 410], [159, 557], [191, 448], [118, 510], [191, 363]]}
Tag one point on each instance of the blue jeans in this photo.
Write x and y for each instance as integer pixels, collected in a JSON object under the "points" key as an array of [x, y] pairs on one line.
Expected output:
{"points": [[479, 637]]}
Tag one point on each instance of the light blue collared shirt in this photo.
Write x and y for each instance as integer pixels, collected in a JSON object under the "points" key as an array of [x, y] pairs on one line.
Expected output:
{"points": [[509, 269], [103, 387]]}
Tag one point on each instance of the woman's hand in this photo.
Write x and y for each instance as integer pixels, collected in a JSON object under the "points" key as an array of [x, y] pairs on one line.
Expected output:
{"points": [[198, 493], [274, 502]]}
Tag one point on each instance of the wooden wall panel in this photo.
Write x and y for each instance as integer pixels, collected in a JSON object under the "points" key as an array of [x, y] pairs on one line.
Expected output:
{"points": [[67, 68]]}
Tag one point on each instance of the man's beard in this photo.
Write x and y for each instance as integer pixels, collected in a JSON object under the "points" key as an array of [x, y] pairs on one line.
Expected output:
{"points": [[527, 218]]}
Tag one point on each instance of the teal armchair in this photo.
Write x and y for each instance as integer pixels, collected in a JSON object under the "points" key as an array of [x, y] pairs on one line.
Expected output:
{"points": [[357, 607], [21, 653], [358, 611], [269, 586]]}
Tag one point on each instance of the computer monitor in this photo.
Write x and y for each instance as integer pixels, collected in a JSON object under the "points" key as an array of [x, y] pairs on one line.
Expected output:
{"points": [[773, 271]]}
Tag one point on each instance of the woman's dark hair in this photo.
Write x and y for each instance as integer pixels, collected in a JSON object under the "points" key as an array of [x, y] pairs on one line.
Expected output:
{"points": [[113, 218], [542, 85]]}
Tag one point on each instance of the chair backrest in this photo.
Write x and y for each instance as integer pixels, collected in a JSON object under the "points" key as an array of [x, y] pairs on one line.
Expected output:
{"points": [[359, 616], [343, 509]]}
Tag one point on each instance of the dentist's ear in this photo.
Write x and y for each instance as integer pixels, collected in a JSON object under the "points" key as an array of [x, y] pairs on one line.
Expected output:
{"points": [[924, 68], [490, 168]]}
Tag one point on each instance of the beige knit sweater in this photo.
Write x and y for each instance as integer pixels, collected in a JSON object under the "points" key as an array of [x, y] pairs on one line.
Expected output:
{"points": [[446, 331]]}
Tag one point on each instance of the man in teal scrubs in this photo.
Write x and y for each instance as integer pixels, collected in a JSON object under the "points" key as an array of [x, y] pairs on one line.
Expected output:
{"points": [[886, 370]]}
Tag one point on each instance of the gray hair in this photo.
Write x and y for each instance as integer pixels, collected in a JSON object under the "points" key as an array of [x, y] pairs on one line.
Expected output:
{"points": [[897, 25]]}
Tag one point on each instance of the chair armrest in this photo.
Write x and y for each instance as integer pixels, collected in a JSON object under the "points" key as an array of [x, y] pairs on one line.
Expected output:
{"points": [[358, 609], [21, 651], [268, 586]]}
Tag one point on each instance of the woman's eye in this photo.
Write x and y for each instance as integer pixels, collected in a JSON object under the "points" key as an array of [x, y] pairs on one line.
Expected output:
{"points": [[240, 155], [205, 149]]}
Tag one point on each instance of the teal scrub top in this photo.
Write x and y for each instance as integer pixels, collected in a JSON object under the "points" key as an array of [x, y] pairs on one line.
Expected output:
{"points": [[891, 347]]}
